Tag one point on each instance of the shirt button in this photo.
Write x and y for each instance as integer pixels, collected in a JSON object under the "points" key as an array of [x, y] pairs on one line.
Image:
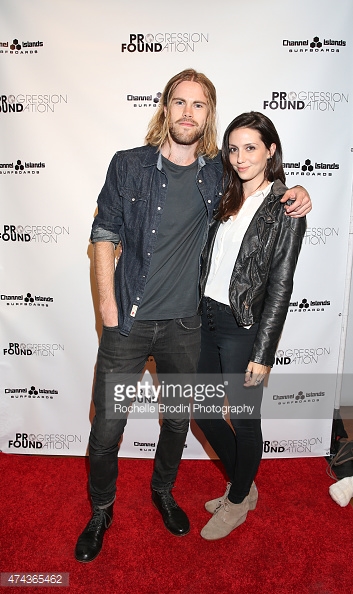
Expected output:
{"points": [[209, 201], [137, 298], [148, 253], [159, 208], [163, 185], [200, 181], [153, 230], [133, 199]]}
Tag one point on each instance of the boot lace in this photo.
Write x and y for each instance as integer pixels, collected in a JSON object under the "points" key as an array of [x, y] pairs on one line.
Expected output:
{"points": [[99, 518]]}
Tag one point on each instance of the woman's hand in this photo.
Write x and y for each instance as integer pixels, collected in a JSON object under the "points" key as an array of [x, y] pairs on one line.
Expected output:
{"points": [[255, 374]]}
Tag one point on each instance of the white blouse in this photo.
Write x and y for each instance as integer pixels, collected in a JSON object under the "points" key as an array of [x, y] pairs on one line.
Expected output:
{"points": [[227, 245]]}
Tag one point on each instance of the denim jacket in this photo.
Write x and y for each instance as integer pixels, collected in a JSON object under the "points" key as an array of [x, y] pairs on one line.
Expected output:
{"points": [[262, 279], [130, 207]]}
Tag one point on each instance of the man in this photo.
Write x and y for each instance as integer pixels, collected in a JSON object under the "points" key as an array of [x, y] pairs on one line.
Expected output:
{"points": [[158, 201]]}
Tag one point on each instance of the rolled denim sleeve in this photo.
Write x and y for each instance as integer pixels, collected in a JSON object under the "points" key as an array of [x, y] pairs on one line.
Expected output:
{"points": [[100, 234], [107, 223]]}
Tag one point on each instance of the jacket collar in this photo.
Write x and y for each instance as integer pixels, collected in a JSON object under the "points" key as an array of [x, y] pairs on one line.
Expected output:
{"points": [[269, 205], [278, 188]]}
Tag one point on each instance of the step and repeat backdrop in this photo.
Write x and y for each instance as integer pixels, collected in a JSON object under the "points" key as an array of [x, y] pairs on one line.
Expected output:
{"points": [[80, 80]]}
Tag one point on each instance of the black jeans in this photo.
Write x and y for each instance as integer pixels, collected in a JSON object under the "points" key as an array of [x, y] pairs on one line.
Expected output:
{"points": [[225, 350], [175, 346]]}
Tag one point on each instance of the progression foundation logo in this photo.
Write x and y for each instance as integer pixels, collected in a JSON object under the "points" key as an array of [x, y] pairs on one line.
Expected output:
{"points": [[21, 167], [164, 42], [20, 349], [42, 103], [292, 446], [316, 45], [320, 235], [308, 306], [301, 356], [32, 393], [46, 441], [33, 233], [20, 47], [26, 300], [306, 100], [310, 168]]}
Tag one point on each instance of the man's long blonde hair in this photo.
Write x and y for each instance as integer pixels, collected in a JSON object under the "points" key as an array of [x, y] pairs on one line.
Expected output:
{"points": [[158, 129]]}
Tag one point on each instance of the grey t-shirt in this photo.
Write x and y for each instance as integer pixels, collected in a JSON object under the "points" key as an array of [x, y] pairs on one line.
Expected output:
{"points": [[172, 283]]}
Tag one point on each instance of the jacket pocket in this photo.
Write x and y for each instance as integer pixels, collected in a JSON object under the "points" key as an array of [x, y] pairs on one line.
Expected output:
{"points": [[134, 206]]}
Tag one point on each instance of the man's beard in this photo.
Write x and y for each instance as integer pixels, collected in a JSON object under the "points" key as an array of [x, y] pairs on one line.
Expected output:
{"points": [[186, 137]]}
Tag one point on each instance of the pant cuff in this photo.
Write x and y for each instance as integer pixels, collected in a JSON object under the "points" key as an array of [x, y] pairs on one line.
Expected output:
{"points": [[105, 505]]}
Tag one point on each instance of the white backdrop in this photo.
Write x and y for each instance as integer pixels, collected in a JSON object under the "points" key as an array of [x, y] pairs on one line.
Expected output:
{"points": [[75, 88]]}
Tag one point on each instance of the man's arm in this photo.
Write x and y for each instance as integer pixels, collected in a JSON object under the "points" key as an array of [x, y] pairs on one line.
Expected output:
{"points": [[104, 268], [301, 205]]}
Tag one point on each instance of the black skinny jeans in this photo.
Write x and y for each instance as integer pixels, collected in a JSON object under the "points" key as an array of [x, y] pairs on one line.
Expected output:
{"points": [[175, 346], [225, 350]]}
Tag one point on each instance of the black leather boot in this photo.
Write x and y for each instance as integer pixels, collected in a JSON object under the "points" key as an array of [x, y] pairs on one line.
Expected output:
{"points": [[174, 518], [90, 542]]}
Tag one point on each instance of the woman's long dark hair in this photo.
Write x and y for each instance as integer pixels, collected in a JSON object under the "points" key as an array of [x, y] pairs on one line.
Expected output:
{"points": [[233, 196]]}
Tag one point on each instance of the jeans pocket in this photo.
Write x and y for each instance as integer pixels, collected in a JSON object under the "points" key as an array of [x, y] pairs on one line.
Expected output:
{"points": [[191, 323], [109, 340]]}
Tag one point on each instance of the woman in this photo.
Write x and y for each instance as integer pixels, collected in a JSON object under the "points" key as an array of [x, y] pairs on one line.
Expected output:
{"points": [[246, 281]]}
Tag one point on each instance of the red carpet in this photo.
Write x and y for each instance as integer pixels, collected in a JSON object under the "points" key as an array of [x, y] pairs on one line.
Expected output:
{"points": [[296, 541]]}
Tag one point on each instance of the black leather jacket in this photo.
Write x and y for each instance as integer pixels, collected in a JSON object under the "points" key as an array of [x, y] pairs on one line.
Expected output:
{"points": [[262, 279]]}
